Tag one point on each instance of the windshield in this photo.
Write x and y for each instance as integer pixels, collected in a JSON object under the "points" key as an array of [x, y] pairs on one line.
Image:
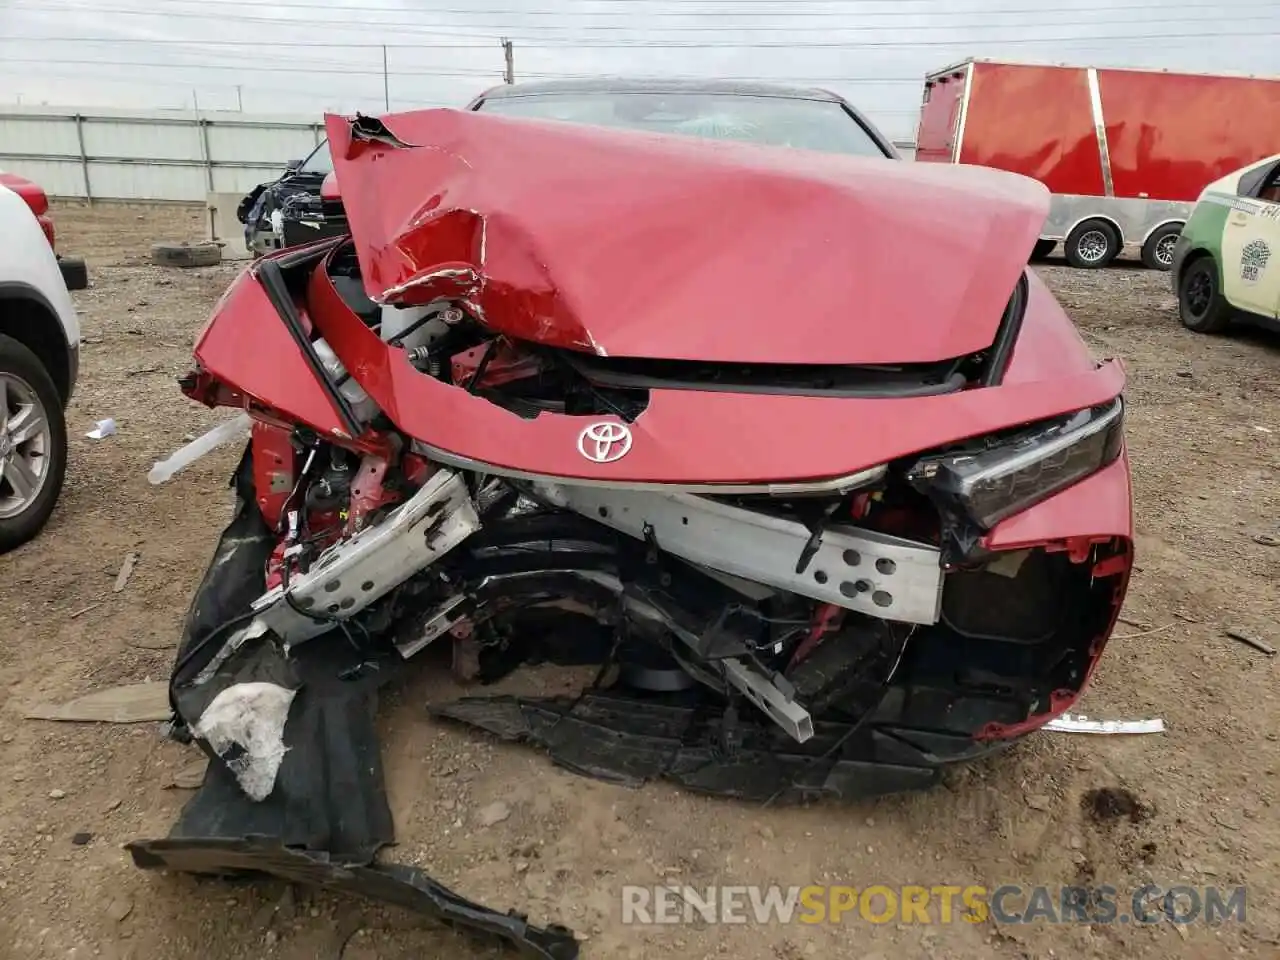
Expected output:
{"points": [[779, 121], [320, 162]]}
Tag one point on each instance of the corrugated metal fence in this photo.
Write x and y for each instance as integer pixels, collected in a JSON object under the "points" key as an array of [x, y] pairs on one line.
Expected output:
{"points": [[156, 154], [150, 154]]}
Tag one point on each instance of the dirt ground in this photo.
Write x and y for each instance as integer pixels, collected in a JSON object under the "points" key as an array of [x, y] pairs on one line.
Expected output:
{"points": [[1204, 435]]}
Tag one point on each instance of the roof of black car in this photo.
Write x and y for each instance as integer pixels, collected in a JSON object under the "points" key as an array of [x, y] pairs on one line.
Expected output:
{"points": [[743, 88]]}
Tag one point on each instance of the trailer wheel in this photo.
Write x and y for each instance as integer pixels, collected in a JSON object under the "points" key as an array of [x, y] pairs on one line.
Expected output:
{"points": [[1201, 305], [1042, 249], [1092, 244], [1157, 252]]}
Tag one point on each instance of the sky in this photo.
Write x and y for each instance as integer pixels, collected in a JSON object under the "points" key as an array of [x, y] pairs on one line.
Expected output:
{"points": [[307, 56]]}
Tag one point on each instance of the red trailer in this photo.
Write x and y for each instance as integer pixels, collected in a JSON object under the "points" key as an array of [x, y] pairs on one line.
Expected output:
{"points": [[1125, 152]]}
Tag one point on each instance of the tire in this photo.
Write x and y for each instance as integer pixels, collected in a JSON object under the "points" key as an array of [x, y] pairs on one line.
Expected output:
{"points": [[1092, 245], [186, 254], [1201, 306], [1042, 249], [1157, 252], [75, 274], [28, 386]]}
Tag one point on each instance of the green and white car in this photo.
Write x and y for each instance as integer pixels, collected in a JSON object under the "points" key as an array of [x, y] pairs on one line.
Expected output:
{"points": [[1226, 263]]}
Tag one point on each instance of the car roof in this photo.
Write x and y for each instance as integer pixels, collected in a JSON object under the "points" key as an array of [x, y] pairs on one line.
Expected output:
{"points": [[743, 88]]}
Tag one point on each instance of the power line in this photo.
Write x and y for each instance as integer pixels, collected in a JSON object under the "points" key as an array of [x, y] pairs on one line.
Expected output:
{"points": [[785, 7], [417, 25], [458, 72], [1165, 10]]}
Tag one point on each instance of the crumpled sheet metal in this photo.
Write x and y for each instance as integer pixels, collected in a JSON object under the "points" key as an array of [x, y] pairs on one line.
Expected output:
{"points": [[626, 244]]}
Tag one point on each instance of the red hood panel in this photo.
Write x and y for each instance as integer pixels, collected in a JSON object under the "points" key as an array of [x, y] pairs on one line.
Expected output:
{"points": [[638, 245]]}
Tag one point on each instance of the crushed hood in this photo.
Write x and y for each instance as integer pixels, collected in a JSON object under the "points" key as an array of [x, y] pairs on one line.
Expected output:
{"points": [[641, 245]]}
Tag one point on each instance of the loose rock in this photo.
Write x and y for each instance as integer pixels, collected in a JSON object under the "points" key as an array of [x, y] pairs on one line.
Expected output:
{"points": [[493, 814]]}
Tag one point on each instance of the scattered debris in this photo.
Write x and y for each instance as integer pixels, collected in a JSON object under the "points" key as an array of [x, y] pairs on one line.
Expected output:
{"points": [[1141, 633], [57, 794], [1108, 804], [132, 703], [104, 429], [1267, 540], [1259, 645], [493, 814], [1134, 623], [152, 643], [126, 571], [349, 924], [1038, 801], [81, 839], [83, 610], [1186, 619], [120, 908], [138, 373], [236, 428], [190, 777], [1079, 723]]}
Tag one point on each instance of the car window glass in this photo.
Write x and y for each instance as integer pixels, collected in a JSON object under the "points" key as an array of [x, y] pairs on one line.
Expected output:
{"points": [[320, 162], [1271, 187], [779, 121], [1254, 181]]}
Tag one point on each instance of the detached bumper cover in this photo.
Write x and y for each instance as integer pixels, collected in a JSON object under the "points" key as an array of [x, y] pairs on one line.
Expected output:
{"points": [[326, 814]]}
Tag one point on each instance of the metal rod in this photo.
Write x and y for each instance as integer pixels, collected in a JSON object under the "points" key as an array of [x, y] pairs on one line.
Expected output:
{"points": [[84, 158], [386, 82]]}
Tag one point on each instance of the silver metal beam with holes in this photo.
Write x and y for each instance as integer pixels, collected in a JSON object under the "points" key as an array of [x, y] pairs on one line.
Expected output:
{"points": [[777, 706], [875, 574], [351, 575]]}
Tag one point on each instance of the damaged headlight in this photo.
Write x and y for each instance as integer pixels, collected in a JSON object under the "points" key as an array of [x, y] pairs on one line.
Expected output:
{"points": [[1017, 472]]}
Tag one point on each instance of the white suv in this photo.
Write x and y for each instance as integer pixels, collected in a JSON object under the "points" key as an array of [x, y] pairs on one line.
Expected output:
{"points": [[39, 363]]}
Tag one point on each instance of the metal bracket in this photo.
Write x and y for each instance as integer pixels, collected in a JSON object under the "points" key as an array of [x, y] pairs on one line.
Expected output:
{"points": [[353, 574], [777, 706]]}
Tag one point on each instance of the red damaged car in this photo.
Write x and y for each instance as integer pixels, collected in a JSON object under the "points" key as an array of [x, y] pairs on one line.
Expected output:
{"points": [[792, 445]]}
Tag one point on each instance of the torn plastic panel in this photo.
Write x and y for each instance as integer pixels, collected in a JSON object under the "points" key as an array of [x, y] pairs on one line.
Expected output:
{"points": [[393, 884], [295, 784]]}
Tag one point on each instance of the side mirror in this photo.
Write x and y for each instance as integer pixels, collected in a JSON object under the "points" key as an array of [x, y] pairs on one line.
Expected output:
{"points": [[329, 188], [294, 165]]}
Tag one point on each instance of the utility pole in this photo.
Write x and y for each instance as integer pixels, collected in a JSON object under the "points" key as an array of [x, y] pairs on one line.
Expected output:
{"points": [[509, 54], [386, 83]]}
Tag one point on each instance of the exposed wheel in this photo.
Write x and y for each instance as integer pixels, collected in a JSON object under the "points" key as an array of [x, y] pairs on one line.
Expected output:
{"points": [[33, 445], [1042, 249], [1201, 306], [1092, 244], [1157, 252], [186, 254]]}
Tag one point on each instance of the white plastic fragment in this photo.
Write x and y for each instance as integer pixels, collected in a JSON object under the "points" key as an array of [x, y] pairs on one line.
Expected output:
{"points": [[251, 716], [234, 429], [104, 429], [1067, 723]]}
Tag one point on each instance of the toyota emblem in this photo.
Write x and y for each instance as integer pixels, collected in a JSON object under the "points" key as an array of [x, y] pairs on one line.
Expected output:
{"points": [[604, 442]]}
